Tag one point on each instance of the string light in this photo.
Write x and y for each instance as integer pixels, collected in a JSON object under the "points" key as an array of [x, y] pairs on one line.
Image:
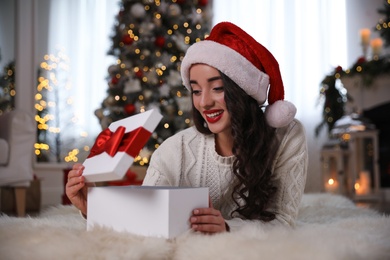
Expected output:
{"points": [[49, 99], [72, 156]]}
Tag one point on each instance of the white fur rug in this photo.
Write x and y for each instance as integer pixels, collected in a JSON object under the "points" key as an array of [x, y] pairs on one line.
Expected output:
{"points": [[328, 227]]}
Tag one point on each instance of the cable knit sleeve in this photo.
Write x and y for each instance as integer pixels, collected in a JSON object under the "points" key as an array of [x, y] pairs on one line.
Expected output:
{"points": [[290, 171], [289, 176]]}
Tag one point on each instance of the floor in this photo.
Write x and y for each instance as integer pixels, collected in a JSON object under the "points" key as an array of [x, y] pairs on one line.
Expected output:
{"points": [[381, 206]]}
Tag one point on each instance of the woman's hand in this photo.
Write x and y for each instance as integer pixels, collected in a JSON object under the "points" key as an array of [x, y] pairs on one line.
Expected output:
{"points": [[76, 190], [208, 220]]}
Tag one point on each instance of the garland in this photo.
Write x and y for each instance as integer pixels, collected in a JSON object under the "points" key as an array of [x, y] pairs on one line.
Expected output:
{"points": [[383, 26], [335, 97]]}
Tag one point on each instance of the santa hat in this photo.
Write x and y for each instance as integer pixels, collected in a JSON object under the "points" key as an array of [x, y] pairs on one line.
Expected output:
{"points": [[248, 63]]}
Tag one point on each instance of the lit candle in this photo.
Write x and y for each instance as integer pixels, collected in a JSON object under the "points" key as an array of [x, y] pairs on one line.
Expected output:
{"points": [[376, 46], [331, 186], [363, 186], [365, 36]]}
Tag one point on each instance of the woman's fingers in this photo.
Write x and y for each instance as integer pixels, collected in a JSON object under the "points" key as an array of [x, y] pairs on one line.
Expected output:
{"points": [[208, 220], [207, 228], [77, 170], [76, 188], [75, 182], [207, 211], [75, 175]]}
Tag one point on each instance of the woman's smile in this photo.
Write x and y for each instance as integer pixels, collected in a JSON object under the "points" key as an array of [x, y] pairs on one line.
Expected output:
{"points": [[213, 116]]}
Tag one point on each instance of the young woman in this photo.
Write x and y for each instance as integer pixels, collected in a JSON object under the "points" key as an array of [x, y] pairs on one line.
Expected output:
{"points": [[253, 162]]}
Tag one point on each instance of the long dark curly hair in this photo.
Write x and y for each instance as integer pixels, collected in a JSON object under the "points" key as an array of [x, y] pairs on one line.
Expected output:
{"points": [[254, 150]]}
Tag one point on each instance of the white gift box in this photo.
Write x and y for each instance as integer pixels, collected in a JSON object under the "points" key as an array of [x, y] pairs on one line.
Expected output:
{"points": [[117, 146], [142, 210], [145, 210]]}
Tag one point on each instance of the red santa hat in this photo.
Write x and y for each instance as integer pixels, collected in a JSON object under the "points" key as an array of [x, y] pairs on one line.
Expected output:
{"points": [[248, 63]]}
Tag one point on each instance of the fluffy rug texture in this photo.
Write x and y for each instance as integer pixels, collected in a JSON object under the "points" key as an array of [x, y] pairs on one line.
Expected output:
{"points": [[328, 227]]}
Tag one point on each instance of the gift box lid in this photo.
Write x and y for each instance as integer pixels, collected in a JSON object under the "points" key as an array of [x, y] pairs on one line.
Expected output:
{"points": [[116, 147]]}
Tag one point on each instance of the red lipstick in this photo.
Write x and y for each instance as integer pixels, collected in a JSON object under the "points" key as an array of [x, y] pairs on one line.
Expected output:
{"points": [[213, 116]]}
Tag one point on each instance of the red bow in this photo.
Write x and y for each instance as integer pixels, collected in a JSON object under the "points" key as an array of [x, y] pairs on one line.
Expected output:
{"points": [[111, 143]]}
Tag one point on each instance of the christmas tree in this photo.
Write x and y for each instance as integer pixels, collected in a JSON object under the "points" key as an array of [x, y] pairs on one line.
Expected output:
{"points": [[383, 26], [334, 97], [150, 39], [7, 88]]}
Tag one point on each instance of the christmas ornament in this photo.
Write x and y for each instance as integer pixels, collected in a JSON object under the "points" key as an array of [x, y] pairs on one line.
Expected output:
{"points": [[170, 109], [157, 22], [128, 64], [146, 28], [157, 108], [174, 10], [105, 122], [163, 7], [148, 2], [195, 16], [152, 77], [174, 78], [148, 94], [114, 80], [112, 70], [165, 59], [160, 41], [180, 43], [126, 39], [109, 101], [129, 109], [138, 10], [131, 86], [184, 103], [164, 90], [139, 74], [99, 113], [202, 2], [146, 52]]}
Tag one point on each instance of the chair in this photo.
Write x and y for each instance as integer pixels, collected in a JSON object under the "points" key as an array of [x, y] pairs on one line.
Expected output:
{"points": [[17, 138]]}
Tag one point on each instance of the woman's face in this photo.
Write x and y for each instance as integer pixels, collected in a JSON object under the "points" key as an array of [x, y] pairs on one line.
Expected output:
{"points": [[209, 98]]}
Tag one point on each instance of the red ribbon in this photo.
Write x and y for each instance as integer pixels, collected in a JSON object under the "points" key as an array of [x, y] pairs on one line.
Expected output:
{"points": [[119, 141]]}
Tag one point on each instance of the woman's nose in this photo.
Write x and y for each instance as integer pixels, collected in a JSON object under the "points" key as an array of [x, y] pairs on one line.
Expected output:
{"points": [[206, 99]]}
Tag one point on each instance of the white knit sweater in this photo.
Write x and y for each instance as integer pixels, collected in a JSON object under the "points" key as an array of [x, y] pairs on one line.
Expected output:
{"points": [[189, 159]]}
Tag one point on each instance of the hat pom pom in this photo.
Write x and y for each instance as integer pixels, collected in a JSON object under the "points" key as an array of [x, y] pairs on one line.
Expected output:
{"points": [[280, 113]]}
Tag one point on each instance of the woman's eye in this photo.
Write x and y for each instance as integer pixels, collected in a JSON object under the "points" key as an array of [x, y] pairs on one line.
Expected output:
{"points": [[195, 92], [219, 89]]}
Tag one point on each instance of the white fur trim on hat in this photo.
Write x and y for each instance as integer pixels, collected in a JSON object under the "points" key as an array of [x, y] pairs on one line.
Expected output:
{"points": [[252, 80], [280, 113]]}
